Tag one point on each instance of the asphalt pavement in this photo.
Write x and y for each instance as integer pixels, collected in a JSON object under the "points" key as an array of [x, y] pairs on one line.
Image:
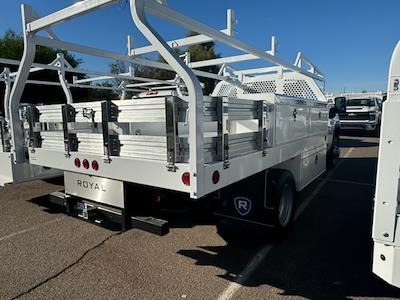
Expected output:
{"points": [[45, 254]]}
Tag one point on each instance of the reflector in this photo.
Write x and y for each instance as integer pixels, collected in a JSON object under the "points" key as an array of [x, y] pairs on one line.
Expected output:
{"points": [[186, 178], [77, 162], [86, 164]]}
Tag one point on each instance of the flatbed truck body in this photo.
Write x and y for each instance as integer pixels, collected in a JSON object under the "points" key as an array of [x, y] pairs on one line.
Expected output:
{"points": [[270, 123]]}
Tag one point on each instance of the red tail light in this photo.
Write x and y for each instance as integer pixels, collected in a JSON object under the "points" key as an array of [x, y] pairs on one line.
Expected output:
{"points": [[86, 164], [215, 177], [186, 178], [77, 162], [95, 165]]}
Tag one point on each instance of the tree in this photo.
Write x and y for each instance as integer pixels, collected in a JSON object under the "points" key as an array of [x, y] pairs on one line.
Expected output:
{"points": [[12, 47], [199, 52]]}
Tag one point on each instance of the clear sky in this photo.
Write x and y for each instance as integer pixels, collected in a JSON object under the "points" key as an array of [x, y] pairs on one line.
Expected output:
{"points": [[350, 40]]}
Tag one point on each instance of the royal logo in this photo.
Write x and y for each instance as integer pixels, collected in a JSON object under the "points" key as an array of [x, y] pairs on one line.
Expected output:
{"points": [[90, 185], [242, 205]]}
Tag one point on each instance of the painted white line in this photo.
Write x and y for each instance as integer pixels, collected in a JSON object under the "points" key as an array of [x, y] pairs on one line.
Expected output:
{"points": [[348, 152], [233, 287], [246, 273], [33, 228], [352, 182]]}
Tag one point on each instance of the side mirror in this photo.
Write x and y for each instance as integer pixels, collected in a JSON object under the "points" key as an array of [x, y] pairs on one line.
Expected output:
{"points": [[340, 104], [332, 112]]}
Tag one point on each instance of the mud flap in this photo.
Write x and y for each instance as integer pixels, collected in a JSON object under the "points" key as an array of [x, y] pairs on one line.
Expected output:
{"points": [[246, 201]]}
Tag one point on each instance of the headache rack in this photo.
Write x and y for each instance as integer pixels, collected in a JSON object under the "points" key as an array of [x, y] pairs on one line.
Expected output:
{"points": [[169, 129]]}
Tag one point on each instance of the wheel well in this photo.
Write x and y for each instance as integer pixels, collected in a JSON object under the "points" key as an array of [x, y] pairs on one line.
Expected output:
{"points": [[293, 167], [282, 170]]}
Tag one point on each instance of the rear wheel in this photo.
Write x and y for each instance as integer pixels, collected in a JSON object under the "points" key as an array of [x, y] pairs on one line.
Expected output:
{"points": [[281, 199], [286, 206], [278, 215]]}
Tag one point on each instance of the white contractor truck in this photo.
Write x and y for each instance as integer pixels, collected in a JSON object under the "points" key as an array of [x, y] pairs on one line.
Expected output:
{"points": [[262, 135], [362, 113], [386, 225]]}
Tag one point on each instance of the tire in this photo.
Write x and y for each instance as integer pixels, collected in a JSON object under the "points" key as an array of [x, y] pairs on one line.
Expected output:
{"points": [[281, 196], [280, 192], [377, 130], [333, 154]]}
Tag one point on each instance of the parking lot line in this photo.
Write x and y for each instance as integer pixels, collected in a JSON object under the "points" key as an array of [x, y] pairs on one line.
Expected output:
{"points": [[33, 228], [246, 273], [233, 287], [351, 182]]}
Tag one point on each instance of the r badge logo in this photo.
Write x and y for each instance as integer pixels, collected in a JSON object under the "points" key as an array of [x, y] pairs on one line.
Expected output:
{"points": [[242, 205], [396, 85]]}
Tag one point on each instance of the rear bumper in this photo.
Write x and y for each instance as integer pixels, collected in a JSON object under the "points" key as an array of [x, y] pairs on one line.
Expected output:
{"points": [[107, 216], [362, 125]]}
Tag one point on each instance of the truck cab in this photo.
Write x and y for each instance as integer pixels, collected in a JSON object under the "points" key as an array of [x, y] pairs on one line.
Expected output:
{"points": [[362, 114]]}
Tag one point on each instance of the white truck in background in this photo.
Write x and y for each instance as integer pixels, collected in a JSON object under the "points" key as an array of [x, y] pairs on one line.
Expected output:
{"points": [[267, 128], [362, 113], [386, 220]]}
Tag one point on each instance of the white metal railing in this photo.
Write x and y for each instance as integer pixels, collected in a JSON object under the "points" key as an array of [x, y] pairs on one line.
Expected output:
{"points": [[187, 74], [62, 67]]}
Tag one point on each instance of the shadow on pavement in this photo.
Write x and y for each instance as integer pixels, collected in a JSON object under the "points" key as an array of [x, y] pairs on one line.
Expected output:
{"points": [[357, 133], [46, 205], [328, 255], [357, 143]]}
